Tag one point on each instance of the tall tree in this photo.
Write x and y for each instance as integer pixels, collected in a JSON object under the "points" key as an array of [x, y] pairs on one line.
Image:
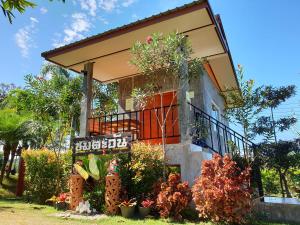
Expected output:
{"points": [[242, 107], [272, 98]]}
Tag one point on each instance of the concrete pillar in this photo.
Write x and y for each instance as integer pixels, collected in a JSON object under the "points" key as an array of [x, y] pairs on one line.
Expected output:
{"points": [[184, 108], [86, 102]]}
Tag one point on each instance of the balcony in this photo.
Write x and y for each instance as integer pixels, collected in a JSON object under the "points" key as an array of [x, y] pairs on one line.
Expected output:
{"points": [[145, 125]]}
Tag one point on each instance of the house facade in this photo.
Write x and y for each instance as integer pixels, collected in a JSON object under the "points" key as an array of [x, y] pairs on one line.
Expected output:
{"points": [[195, 127]]}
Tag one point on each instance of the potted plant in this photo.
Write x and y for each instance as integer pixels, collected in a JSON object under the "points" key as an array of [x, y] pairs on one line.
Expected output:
{"points": [[127, 208], [145, 207], [199, 133], [61, 202]]}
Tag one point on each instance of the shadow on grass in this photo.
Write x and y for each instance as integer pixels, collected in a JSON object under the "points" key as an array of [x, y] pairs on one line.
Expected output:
{"points": [[138, 218]]}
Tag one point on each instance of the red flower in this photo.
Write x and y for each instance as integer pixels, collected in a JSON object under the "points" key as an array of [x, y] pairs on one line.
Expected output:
{"points": [[147, 203], [103, 152], [62, 197], [149, 39]]}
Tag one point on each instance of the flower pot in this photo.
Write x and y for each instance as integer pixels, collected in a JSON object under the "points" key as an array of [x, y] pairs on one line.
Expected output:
{"points": [[127, 211], [144, 211], [62, 206]]}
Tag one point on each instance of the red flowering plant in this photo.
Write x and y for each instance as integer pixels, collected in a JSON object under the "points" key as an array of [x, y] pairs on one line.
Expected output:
{"points": [[147, 203], [62, 197], [222, 193], [173, 197]]}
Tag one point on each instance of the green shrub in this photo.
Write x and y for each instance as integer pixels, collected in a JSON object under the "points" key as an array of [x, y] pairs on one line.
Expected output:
{"points": [[45, 175], [270, 180], [95, 194], [294, 180], [146, 166]]}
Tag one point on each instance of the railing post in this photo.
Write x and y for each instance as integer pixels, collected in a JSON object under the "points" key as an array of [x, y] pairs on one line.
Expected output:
{"points": [[257, 173]]}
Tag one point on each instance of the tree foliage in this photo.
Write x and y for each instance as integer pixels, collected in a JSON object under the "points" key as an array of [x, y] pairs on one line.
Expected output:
{"points": [[4, 90], [105, 97], [53, 99], [11, 124], [281, 157], [271, 98], [163, 60], [167, 54], [243, 104], [9, 6]]}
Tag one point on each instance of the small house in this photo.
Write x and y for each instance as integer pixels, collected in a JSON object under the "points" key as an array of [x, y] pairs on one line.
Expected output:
{"points": [[195, 125]]}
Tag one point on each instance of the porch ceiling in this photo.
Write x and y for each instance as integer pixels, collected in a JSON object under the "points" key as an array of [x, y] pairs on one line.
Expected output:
{"points": [[110, 51]]}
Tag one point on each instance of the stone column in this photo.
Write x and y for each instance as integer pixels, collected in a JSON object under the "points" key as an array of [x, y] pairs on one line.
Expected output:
{"points": [[86, 102]]}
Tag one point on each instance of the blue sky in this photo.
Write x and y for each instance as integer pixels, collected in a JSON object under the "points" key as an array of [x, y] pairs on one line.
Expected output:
{"points": [[263, 36]]}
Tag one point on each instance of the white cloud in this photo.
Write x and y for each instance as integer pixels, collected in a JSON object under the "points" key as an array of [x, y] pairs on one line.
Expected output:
{"points": [[24, 38], [80, 24], [108, 5], [43, 10], [127, 3], [34, 20], [103, 20], [135, 17], [89, 5]]}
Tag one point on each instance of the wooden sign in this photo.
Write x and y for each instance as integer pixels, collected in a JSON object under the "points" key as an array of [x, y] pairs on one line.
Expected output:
{"points": [[105, 144]]}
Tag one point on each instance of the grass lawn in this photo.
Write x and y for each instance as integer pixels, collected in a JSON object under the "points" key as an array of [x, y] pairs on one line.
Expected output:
{"points": [[16, 212]]}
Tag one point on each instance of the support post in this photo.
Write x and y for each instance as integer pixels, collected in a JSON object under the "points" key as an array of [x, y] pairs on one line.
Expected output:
{"points": [[184, 111], [86, 102]]}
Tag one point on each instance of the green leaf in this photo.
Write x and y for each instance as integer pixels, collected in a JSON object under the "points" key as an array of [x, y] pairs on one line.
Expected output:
{"points": [[81, 171], [93, 165], [94, 176]]}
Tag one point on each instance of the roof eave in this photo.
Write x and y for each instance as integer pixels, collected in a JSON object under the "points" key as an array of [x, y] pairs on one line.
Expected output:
{"points": [[128, 28]]}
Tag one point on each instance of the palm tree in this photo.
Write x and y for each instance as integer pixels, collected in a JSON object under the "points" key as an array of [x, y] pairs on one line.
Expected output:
{"points": [[11, 124]]}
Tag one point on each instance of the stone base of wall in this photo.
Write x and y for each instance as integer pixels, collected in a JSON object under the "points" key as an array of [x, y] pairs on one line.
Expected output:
{"points": [[286, 211], [189, 157]]}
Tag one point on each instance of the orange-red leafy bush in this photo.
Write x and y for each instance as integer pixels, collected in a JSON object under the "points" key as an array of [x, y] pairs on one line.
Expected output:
{"points": [[223, 193], [173, 197]]}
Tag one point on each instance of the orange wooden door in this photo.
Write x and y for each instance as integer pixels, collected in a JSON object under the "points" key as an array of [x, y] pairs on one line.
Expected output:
{"points": [[151, 119]]}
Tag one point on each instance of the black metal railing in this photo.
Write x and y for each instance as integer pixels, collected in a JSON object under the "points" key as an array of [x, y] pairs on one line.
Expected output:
{"points": [[211, 133], [143, 124], [218, 137]]}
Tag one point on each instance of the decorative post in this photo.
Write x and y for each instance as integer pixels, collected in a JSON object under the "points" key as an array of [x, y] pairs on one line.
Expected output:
{"points": [[112, 188], [112, 193], [76, 190], [86, 101]]}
